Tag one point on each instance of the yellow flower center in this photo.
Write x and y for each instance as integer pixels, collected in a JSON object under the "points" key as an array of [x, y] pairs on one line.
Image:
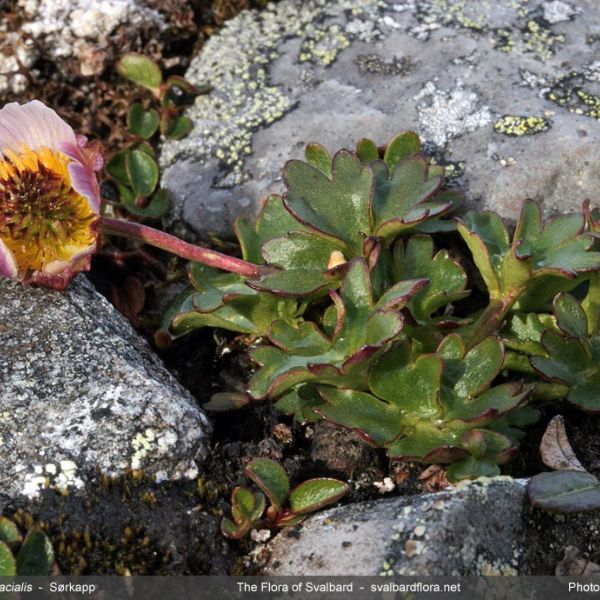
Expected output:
{"points": [[42, 218]]}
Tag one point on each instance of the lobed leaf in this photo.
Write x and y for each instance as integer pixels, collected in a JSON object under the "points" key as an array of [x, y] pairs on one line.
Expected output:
{"points": [[401, 147], [336, 207], [302, 353], [446, 279]]}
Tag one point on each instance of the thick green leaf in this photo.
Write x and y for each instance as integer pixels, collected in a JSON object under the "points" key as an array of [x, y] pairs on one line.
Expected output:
{"points": [[299, 250], [570, 316], [591, 303], [471, 468], [141, 70], [315, 494], [304, 354], [271, 478], [8, 565], [178, 127], [157, 208], [565, 491], [142, 171], [523, 332], [9, 533], [295, 283], [305, 340], [219, 299], [375, 421], [117, 168], [431, 407], [401, 199], [273, 221], [233, 531], [426, 443], [489, 405], [538, 250], [400, 294], [300, 402], [142, 123], [36, 555], [447, 280], [411, 386], [319, 158], [367, 150], [470, 374], [246, 506], [401, 147], [575, 362]]}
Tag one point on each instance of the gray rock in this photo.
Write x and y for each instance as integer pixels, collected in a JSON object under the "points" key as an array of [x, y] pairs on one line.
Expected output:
{"points": [[80, 391], [506, 93], [472, 530]]}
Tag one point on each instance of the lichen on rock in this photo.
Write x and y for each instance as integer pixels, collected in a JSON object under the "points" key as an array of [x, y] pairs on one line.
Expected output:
{"points": [[80, 392]]}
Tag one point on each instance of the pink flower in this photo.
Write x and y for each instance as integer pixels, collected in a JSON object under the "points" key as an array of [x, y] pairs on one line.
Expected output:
{"points": [[49, 197]]}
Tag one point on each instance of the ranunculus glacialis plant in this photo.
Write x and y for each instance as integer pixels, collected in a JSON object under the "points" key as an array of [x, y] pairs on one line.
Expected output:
{"points": [[50, 203]]}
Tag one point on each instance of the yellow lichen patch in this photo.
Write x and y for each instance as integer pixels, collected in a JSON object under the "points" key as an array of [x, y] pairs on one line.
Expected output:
{"points": [[591, 102], [518, 126], [324, 46], [541, 41], [43, 220]]}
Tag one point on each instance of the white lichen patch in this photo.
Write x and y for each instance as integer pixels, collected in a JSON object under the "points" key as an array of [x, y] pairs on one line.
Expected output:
{"points": [[558, 11], [64, 24], [260, 536], [33, 484], [447, 114], [591, 71], [68, 477], [62, 477]]}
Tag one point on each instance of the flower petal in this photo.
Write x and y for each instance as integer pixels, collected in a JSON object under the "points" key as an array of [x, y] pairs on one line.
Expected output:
{"points": [[32, 124], [8, 265], [84, 181], [60, 273]]}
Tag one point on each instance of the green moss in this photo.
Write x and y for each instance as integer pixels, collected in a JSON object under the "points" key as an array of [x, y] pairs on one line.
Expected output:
{"points": [[132, 525]]}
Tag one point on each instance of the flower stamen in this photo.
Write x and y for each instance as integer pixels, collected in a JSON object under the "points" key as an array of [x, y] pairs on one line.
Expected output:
{"points": [[43, 220]]}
